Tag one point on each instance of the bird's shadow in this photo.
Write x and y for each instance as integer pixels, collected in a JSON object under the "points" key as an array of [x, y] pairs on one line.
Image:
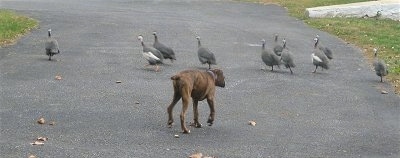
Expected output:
{"points": [[270, 71], [319, 73], [167, 64], [150, 69], [47, 59]]}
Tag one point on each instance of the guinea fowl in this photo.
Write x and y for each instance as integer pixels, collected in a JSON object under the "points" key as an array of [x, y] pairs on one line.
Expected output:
{"points": [[205, 55], [380, 66], [51, 45], [152, 59], [167, 52], [319, 58], [287, 57], [152, 55], [277, 48], [328, 52], [269, 58]]}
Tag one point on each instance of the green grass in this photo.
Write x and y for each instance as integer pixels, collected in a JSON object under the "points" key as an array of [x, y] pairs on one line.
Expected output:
{"points": [[13, 26], [365, 33]]}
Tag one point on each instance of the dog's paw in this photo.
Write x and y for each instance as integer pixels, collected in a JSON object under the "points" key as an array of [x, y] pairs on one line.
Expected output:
{"points": [[210, 122], [186, 132], [196, 125], [170, 124]]}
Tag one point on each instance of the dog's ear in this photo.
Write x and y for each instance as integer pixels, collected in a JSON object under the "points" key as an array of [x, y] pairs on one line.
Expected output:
{"points": [[220, 80], [176, 77]]}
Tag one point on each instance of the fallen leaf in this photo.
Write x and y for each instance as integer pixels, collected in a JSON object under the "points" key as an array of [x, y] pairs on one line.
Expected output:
{"points": [[43, 139], [252, 123], [176, 136], [31, 156], [37, 143], [136, 102], [58, 77], [52, 123], [118, 81], [196, 155], [384, 92], [41, 121]]}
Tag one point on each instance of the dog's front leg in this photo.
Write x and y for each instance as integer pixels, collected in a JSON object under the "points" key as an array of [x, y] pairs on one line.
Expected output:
{"points": [[210, 101], [196, 122]]}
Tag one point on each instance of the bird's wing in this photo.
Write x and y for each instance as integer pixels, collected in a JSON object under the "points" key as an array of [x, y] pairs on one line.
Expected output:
{"points": [[149, 56], [314, 57], [380, 65], [52, 45], [327, 52], [164, 49], [155, 52], [205, 55]]}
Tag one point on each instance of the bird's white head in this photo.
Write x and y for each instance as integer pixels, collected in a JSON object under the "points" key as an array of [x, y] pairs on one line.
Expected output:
{"points": [[198, 37], [375, 52], [284, 43], [49, 32], [316, 42], [263, 41], [154, 33], [140, 38]]}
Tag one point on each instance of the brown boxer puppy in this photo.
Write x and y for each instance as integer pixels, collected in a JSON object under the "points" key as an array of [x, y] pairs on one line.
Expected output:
{"points": [[198, 85]]}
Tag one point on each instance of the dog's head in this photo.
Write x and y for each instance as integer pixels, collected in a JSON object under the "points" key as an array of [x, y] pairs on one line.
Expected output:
{"points": [[220, 78]]}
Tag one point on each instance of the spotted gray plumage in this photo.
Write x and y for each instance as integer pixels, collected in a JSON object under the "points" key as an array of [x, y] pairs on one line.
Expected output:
{"points": [[287, 57], [277, 47], [269, 58], [380, 66], [319, 58], [205, 55], [328, 52], [51, 45], [167, 52]]}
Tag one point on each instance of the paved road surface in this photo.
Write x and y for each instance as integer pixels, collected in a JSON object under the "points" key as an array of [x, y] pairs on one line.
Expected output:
{"points": [[335, 113]]}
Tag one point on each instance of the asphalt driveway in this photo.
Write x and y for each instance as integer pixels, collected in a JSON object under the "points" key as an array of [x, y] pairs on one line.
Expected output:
{"points": [[338, 112]]}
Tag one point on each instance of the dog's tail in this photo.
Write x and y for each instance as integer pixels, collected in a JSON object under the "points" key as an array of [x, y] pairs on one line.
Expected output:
{"points": [[176, 77]]}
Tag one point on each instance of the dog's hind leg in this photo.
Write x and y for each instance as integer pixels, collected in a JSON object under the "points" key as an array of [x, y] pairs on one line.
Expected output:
{"points": [[185, 105], [175, 99], [210, 102], [196, 122], [186, 96]]}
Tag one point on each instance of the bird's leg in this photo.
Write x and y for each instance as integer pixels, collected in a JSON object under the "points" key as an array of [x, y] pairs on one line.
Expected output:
{"points": [[272, 68], [49, 57], [209, 66], [291, 72], [315, 69], [381, 79]]}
